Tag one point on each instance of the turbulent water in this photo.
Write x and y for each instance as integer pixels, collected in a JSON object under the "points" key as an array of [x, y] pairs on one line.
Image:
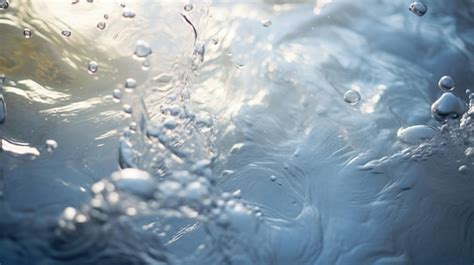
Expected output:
{"points": [[236, 132]]}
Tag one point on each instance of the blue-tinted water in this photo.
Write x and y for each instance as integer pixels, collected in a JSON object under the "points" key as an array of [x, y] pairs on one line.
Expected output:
{"points": [[236, 132]]}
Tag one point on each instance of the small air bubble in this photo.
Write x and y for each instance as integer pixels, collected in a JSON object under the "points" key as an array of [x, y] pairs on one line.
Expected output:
{"points": [[117, 94], [266, 23], [106, 16], [446, 83], [51, 145], [130, 85], [273, 178], [142, 49], [127, 13], [66, 33], [418, 8], [27, 33], [101, 25], [352, 97], [215, 41], [127, 109], [93, 67], [188, 7], [463, 169]]}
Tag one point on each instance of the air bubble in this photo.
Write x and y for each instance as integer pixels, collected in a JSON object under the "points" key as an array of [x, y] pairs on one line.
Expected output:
{"points": [[127, 109], [266, 23], [4, 4], [463, 169], [416, 134], [448, 106], [66, 33], [273, 178], [352, 97], [446, 83], [418, 8], [130, 85], [127, 13], [145, 65], [215, 41], [134, 181], [101, 25], [27, 33], [93, 67], [117, 95], [51, 145], [188, 7], [142, 49], [106, 16]]}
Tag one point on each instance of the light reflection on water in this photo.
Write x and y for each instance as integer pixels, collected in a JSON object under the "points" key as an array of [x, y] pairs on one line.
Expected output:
{"points": [[255, 156]]}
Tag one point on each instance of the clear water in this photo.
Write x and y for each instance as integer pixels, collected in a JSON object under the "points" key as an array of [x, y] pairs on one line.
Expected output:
{"points": [[166, 132]]}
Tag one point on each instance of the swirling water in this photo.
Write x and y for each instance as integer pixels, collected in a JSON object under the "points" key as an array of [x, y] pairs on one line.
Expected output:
{"points": [[223, 132]]}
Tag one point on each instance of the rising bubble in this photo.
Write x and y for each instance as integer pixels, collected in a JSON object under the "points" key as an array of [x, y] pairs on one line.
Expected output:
{"points": [[117, 95]]}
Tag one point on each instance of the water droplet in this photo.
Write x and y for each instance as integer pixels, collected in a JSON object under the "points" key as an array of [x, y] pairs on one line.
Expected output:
{"points": [[266, 23], [3, 110], [101, 25], [273, 178], [446, 83], [188, 7], [142, 49], [51, 145], [66, 33], [418, 8], [117, 94], [127, 13], [463, 169], [93, 67], [352, 97], [4, 4], [127, 109], [448, 106], [130, 85], [27, 33]]}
